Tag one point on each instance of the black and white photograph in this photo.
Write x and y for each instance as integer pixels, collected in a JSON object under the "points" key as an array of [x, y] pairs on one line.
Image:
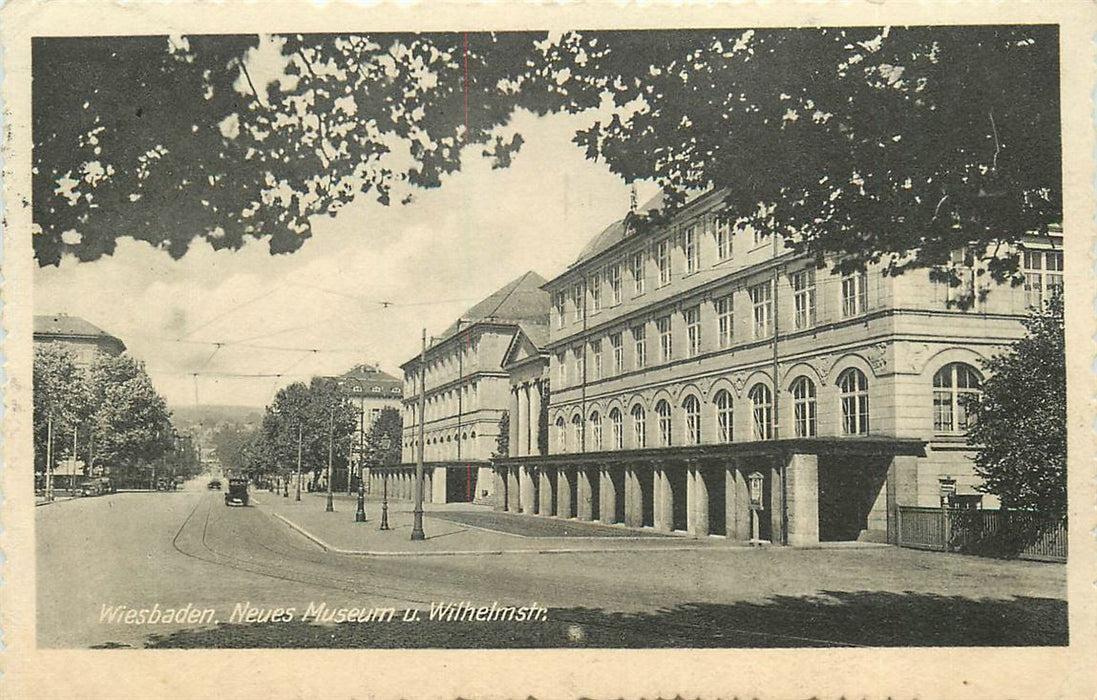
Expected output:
{"points": [[711, 337]]}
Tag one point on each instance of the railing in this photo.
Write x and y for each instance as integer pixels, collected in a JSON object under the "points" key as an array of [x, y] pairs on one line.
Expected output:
{"points": [[996, 533]]}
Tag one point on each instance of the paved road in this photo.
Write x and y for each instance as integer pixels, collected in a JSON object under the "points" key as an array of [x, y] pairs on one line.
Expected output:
{"points": [[171, 550]]}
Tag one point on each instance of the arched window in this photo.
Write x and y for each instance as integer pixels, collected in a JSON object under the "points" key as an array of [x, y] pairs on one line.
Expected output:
{"points": [[577, 432], [639, 427], [596, 430], [853, 389], [615, 423], [803, 407], [561, 434], [761, 404], [725, 419], [692, 408], [954, 387], [665, 425]]}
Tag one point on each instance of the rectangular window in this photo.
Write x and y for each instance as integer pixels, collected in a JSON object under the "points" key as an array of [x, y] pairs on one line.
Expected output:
{"points": [[662, 261], [1043, 270], [577, 302], [577, 356], [596, 359], [761, 300], [666, 343], [640, 346], [693, 331], [558, 303], [725, 320], [596, 293], [562, 369], [854, 294], [803, 298], [613, 278], [618, 354], [722, 233], [638, 273], [690, 249]]}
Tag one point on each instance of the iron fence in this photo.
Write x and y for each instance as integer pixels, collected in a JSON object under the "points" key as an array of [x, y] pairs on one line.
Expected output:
{"points": [[996, 533]]}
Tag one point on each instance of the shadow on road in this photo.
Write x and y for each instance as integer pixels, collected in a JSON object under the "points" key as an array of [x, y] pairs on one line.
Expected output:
{"points": [[838, 618]]}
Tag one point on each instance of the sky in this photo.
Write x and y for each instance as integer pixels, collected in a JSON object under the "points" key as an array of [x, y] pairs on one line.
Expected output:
{"points": [[319, 311]]}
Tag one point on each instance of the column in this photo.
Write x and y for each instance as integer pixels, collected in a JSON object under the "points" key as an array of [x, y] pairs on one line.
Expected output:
{"points": [[738, 503], [802, 499], [525, 485], [517, 448], [514, 499], [664, 506], [546, 492], [902, 490], [696, 502], [607, 496], [498, 495], [634, 503], [512, 428], [774, 506], [585, 492], [523, 435], [563, 491], [535, 417]]}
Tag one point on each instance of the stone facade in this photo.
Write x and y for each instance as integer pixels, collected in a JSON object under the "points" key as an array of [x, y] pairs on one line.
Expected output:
{"points": [[685, 359]]}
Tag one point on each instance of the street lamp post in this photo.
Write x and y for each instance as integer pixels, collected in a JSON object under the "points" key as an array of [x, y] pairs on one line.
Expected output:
{"points": [[300, 432], [385, 499], [330, 506]]}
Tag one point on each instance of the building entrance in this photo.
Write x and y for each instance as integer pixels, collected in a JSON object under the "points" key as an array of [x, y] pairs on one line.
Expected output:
{"points": [[851, 497], [571, 483], [646, 476], [460, 484], [595, 492], [717, 500]]}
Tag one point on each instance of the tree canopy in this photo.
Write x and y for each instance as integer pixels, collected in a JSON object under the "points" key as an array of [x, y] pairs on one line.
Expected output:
{"points": [[1021, 418], [863, 143], [384, 437], [305, 414]]}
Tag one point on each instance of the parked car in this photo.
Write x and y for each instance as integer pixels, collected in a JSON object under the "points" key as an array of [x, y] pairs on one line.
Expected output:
{"points": [[238, 492], [214, 485]]}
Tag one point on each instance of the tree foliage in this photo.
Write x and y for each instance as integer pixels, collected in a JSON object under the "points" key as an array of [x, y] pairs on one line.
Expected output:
{"points": [[61, 395], [309, 415], [1021, 418], [502, 441], [384, 438], [860, 143], [131, 421], [235, 445]]}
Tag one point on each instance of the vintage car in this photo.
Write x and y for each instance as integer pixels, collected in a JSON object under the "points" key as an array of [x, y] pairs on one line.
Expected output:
{"points": [[214, 485], [96, 486], [238, 492]]}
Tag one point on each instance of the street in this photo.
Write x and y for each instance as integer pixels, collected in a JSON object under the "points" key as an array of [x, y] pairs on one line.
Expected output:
{"points": [[167, 551]]}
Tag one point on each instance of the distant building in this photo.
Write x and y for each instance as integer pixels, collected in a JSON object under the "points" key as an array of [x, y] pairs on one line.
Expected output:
{"points": [[689, 358], [84, 340], [370, 390], [467, 393]]}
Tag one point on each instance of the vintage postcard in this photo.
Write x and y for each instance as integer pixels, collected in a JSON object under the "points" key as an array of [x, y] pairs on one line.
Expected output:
{"points": [[503, 350]]}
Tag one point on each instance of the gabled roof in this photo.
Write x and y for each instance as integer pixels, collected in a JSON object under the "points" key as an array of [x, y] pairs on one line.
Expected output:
{"points": [[520, 300], [536, 334], [365, 378], [616, 232], [63, 324]]}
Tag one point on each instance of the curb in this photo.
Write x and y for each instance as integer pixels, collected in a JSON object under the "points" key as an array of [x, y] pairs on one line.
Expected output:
{"points": [[491, 552]]}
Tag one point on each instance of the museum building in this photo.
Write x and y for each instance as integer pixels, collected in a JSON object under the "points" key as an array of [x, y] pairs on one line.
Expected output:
{"points": [[700, 373], [467, 394]]}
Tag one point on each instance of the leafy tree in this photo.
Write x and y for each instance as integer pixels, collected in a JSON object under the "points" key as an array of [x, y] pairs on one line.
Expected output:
{"points": [[384, 438], [1021, 418], [235, 446], [502, 442], [857, 144], [310, 414], [131, 420], [61, 396]]}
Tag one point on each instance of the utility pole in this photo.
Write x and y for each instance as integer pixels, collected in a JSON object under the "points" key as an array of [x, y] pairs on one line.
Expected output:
{"points": [[300, 436], [49, 458], [330, 507], [72, 482], [417, 526]]}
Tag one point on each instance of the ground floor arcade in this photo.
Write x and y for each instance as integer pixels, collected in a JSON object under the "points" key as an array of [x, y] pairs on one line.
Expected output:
{"points": [[811, 490], [443, 482]]}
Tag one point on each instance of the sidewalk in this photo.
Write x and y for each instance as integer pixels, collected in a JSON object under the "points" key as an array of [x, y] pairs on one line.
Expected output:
{"points": [[338, 532]]}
